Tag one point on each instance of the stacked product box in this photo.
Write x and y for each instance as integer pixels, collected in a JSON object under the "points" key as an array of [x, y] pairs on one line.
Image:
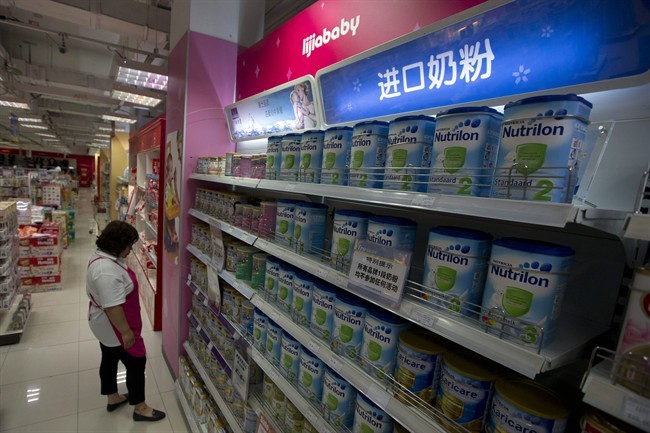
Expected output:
{"points": [[8, 253], [40, 262]]}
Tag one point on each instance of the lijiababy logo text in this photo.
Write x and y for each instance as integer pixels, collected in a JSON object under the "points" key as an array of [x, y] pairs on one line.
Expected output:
{"points": [[313, 41]]}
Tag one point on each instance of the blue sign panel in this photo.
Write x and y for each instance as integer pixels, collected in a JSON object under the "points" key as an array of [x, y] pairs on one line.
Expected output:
{"points": [[520, 47], [283, 109]]}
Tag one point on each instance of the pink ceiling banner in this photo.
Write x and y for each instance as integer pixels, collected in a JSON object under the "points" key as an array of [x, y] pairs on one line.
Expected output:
{"points": [[332, 30]]}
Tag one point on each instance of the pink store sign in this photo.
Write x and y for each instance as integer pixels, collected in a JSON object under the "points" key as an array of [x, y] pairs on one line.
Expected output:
{"points": [[332, 30]]}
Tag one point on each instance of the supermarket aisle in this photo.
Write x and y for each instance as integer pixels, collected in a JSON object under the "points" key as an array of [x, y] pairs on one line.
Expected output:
{"points": [[49, 382]]}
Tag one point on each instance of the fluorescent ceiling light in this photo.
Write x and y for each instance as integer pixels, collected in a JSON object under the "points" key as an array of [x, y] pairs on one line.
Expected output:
{"points": [[136, 96], [119, 118], [107, 129], [143, 75], [30, 119], [53, 140], [103, 135], [43, 134], [34, 126], [14, 102]]}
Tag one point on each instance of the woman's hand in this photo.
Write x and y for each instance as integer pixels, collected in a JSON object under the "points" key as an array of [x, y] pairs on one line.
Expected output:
{"points": [[128, 339]]}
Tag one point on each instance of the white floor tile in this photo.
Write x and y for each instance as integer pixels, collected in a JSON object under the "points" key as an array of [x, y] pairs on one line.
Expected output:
{"points": [[58, 297], [175, 412], [53, 314], [3, 355], [38, 400], [121, 420], [161, 373], [90, 355], [40, 362], [65, 424], [48, 335], [153, 343]]}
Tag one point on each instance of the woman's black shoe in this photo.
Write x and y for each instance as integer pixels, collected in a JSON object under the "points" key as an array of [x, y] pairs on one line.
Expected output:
{"points": [[112, 407], [155, 416]]}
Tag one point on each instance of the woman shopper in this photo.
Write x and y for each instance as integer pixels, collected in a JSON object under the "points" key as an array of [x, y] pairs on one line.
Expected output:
{"points": [[114, 318]]}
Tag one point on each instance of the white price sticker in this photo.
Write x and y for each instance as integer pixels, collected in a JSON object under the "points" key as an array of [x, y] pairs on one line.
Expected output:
{"points": [[424, 317], [313, 346], [210, 346], [423, 200], [247, 238], [336, 364], [272, 375], [274, 316], [379, 396], [338, 279], [322, 272], [290, 187], [311, 416], [636, 411]]}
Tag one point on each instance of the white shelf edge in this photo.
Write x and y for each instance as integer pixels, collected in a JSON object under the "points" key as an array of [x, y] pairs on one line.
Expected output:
{"points": [[240, 234], [255, 404], [348, 369], [151, 228], [310, 412], [225, 410], [227, 180], [602, 394], [224, 363], [187, 410]]}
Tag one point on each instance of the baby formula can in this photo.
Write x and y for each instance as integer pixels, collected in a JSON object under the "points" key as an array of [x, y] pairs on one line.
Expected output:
{"points": [[311, 156], [455, 266], [256, 214], [293, 419], [279, 403], [392, 232], [465, 389], [247, 316], [522, 405], [273, 157], [284, 222], [273, 342], [310, 223], [349, 317], [285, 287], [290, 154], [348, 226], [310, 377], [338, 399], [246, 166], [322, 310], [381, 332], [268, 388], [409, 153], [524, 288], [336, 155], [466, 143], [368, 154], [290, 365], [419, 355], [258, 274], [244, 267], [259, 329], [540, 146], [370, 418], [229, 158], [303, 286], [272, 278], [268, 215], [247, 217], [633, 371]]}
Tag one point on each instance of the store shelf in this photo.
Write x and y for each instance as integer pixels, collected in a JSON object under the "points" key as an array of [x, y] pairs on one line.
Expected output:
{"points": [[196, 324], [194, 425], [8, 336], [152, 257], [257, 403], [225, 409], [413, 420], [614, 399], [226, 180], [240, 234], [203, 298], [122, 179], [637, 226], [151, 228]]}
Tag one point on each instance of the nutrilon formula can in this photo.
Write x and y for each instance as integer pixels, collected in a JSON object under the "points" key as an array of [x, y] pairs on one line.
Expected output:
{"points": [[272, 278], [273, 342], [285, 287], [259, 329], [273, 157], [381, 331], [290, 154], [268, 215], [466, 383], [522, 405], [524, 289], [258, 275], [466, 144], [336, 155], [455, 267], [303, 286], [322, 310], [370, 418], [284, 222], [392, 232], [540, 147], [338, 399], [310, 224], [409, 153], [368, 154], [290, 365], [310, 377], [419, 355], [349, 317], [244, 266], [311, 156], [348, 226]]}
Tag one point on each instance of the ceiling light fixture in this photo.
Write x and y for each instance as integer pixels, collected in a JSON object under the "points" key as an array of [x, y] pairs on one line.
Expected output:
{"points": [[135, 95], [143, 75], [119, 118], [108, 129], [43, 134], [30, 119], [34, 126], [103, 135], [14, 102]]}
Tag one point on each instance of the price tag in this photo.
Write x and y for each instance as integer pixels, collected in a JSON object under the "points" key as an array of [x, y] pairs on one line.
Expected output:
{"points": [[218, 250], [272, 375], [240, 374], [290, 187], [214, 289], [335, 364], [321, 272], [274, 316], [247, 238], [338, 279], [424, 317], [636, 411], [210, 346], [424, 200], [311, 416], [313, 346], [379, 396]]}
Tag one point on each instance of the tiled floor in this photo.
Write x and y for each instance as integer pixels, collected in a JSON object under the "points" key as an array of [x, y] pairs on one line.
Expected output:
{"points": [[49, 382]]}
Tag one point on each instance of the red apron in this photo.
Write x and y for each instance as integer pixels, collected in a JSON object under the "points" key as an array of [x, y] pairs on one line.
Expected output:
{"points": [[131, 307]]}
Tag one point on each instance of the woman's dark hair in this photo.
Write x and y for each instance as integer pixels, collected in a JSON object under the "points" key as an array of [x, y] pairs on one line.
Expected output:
{"points": [[116, 237]]}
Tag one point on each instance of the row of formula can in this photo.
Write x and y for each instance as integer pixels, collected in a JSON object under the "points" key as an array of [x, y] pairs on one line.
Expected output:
{"points": [[233, 164], [531, 152]]}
